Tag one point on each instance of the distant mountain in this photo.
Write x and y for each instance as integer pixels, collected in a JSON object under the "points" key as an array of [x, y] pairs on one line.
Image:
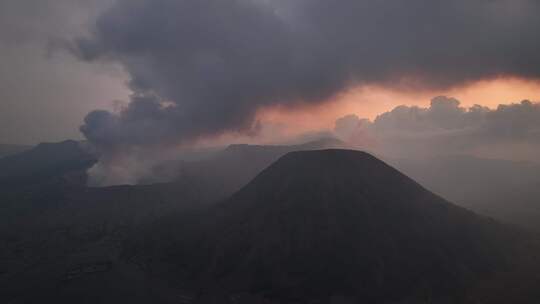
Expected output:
{"points": [[503, 189], [6, 150], [228, 169], [506, 190], [39, 178], [45, 162], [327, 226], [336, 223], [236, 165]]}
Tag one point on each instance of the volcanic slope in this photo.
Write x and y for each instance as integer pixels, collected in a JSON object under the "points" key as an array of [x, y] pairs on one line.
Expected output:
{"points": [[317, 224]]}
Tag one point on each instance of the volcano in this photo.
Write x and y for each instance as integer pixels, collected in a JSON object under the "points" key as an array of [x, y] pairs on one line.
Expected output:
{"points": [[327, 223]]}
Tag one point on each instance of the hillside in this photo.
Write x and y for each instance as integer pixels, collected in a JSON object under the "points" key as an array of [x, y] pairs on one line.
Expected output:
{"points": [[6, 150], [330, 223]]}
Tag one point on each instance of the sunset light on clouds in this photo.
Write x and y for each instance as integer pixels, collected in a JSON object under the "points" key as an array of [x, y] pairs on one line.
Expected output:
{"points": [[270, 151], [371, 101], [150, 76]]}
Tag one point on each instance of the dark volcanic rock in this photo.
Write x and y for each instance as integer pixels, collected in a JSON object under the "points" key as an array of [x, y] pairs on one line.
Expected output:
{"points": [[316, 224], [6, 150], [234, 167], [45, 162], [330, 226]]}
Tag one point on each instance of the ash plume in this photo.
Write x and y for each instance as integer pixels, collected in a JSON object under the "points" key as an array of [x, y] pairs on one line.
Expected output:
{"points": [[201, 68], [204, 67]]}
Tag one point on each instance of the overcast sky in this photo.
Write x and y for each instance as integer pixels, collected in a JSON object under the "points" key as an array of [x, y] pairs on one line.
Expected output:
{"points": [[45, 92], [204, 67]]}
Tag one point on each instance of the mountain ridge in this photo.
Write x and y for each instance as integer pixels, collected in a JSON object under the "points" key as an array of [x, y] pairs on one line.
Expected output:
{"points": [[312, 224]]}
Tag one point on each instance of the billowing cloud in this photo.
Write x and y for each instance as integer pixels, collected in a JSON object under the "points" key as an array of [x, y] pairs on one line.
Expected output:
{"points": [[509, 131], [205, 67]]}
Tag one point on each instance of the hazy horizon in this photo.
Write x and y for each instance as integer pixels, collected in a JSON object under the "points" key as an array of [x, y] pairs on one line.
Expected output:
{"points": [[270, 151]]}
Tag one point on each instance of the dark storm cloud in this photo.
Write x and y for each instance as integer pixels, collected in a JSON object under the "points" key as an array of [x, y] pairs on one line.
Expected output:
{"points": [[203, 67]]}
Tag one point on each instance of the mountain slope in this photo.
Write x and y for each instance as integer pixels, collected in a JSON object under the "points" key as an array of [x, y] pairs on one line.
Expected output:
{"points": [[317, 224], [6, 150], [236, 165], [47, 233], [44, 162], [506, 190]]}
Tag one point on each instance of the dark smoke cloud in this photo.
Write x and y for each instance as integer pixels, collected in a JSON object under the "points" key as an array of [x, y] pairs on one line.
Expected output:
{"points": [[201, 67], [445, 128]]}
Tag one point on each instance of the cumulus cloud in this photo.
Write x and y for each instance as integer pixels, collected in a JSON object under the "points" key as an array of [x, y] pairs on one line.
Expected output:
{"points": [[509, 131], [204, 67]]}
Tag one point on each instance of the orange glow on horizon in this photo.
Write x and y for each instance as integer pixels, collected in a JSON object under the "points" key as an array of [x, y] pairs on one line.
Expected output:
{"points": [[370, 101]]}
